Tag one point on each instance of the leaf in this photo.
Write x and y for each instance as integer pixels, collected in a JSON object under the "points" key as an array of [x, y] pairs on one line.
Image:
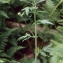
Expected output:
{"points": [[4, 1], [1, 50], [1, 61], [12, 1], [43, 53], [40, 1], [27, 36], [11, 51], [22, 0], [32, 60], [58, 44], [14, 61], [4, 37], [48, 48], [54, 59], [60, 29], [44, 22], [26, 10], [2, 13], [50, 4], [3, 54], [26, 60], [60, 22], [58, 49]]}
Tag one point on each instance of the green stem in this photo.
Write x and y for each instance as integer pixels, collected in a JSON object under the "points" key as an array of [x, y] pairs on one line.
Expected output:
{"points": [[35, 44], [35, 35], [60, 12]]}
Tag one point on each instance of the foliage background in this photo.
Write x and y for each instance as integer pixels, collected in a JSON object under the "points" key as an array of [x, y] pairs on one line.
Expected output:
{"points": [[49, 16]]}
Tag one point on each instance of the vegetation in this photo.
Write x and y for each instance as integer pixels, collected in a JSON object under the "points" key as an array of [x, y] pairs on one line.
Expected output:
{"points": [[37, 29]]}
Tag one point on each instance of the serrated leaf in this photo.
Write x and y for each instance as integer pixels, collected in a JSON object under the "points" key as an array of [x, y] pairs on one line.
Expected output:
{"points": [[27, 36], [2, 13]]}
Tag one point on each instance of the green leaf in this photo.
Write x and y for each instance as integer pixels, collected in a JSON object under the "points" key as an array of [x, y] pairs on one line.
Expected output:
{"points": [[50, 4], [60, 22], [1, 61], [26, 10], [4, 1], [26, 60], [11, 51], [44, 22], [12, 1], [43, 53], [4, 37], [60, 29], [2, 13], [54, 59], [14, 61], [40, 1], [27, 36], [1, 50], [32, 60], [58, 49], [48, 48]]}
